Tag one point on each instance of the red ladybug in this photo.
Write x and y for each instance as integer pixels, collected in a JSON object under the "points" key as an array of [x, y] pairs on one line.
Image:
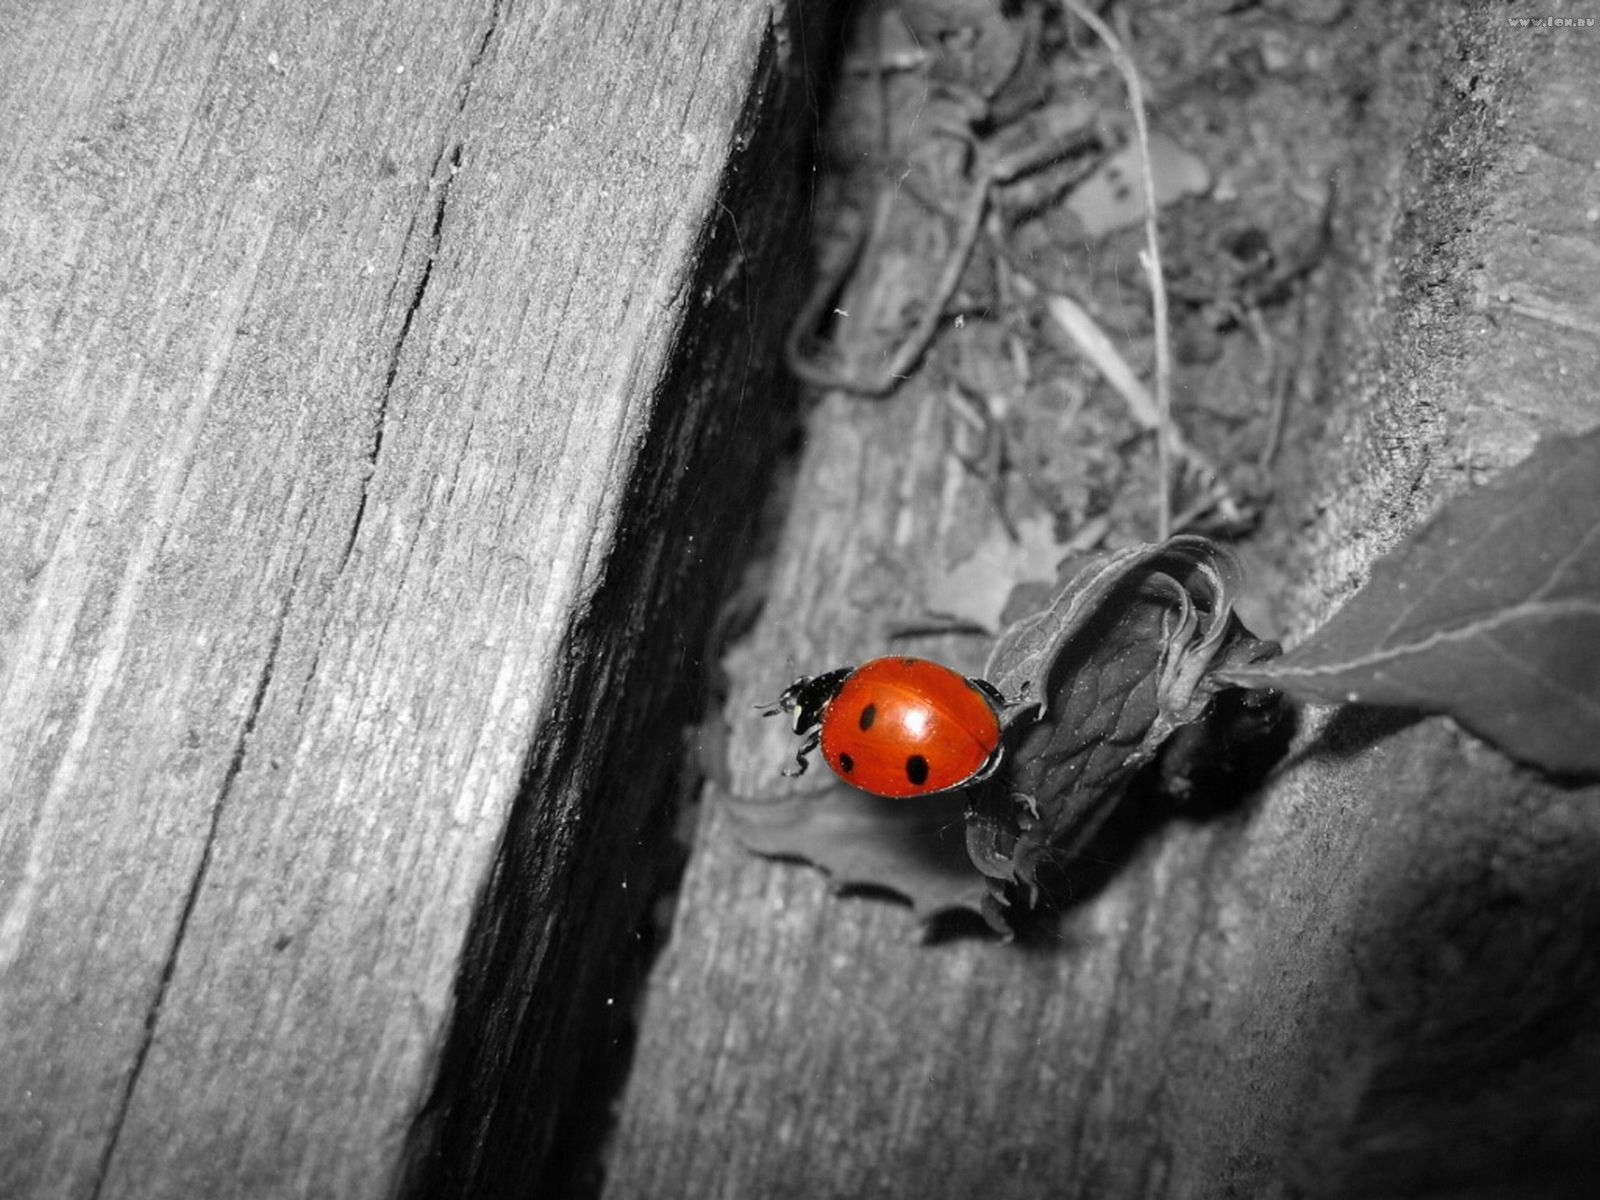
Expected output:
{"points": [[897, 726]]}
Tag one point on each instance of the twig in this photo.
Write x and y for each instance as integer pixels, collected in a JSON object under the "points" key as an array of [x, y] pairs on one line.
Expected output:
{"points": [[1152, 255], [883, 378], [1101, 352], [1095, 345]]}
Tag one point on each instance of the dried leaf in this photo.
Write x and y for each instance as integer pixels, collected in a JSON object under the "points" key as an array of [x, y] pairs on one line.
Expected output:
{"points": [[977, 589], [1113, 197], [1490, 612], [915, 848]]}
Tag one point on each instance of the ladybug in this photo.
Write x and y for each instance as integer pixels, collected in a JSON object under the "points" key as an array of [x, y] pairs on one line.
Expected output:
{"points": [[897, 726]]}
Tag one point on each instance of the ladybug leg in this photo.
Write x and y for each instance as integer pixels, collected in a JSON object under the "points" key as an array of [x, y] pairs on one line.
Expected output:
{"points": [[800, 760], [989, 690], [988, 768], [1006, 708]]}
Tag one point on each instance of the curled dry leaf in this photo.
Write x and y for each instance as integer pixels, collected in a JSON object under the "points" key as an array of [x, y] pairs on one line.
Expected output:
{"points": [[1120, 659]]}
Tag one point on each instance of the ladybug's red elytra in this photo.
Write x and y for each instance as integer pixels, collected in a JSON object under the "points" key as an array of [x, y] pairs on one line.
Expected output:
{"points": [[897, 726]]}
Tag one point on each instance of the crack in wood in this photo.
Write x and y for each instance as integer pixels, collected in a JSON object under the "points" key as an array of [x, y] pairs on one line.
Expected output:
{"points": [[169, 967], [440, 177], [439, 183]]}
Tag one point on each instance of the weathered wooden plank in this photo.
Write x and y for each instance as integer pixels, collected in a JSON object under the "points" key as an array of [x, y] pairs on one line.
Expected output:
{"points": [[337, 366], [1377, 980]]}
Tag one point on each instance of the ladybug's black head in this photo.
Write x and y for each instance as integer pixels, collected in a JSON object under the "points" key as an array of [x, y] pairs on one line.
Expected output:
{"points": [[807, 696]]}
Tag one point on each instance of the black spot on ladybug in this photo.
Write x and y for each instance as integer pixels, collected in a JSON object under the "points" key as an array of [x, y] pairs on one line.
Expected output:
{"points": [[917, 769], [846, 764], [869, 714]]}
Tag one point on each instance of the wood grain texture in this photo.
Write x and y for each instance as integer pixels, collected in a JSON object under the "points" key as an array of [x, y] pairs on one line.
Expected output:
{"points": [[335, 343], [1374, 979]]}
